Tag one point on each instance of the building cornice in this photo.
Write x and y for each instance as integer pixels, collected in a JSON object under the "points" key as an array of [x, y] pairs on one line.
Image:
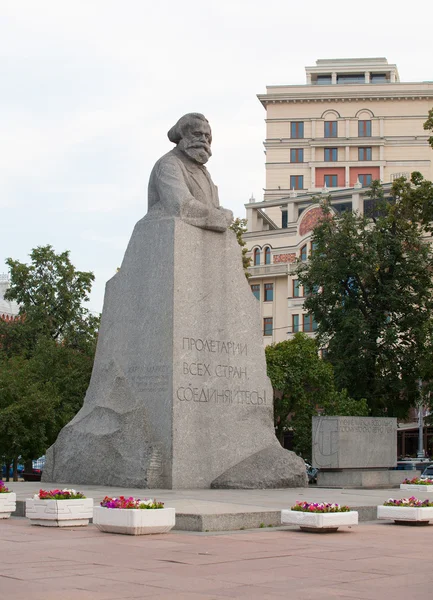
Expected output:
{"points": [[341, 93]]}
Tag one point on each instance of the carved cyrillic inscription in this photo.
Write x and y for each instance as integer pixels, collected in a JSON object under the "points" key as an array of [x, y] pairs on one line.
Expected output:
{"points": [[201, 394], [150, 378], [205, 369], [215, 372], [214, 346], [376, 426]]}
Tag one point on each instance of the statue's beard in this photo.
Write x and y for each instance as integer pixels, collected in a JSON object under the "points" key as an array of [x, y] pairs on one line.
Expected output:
{"points": [[197, 151]]}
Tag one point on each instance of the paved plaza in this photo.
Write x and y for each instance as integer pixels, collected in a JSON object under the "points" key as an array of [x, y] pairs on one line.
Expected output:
{"points": [[370, 561]]}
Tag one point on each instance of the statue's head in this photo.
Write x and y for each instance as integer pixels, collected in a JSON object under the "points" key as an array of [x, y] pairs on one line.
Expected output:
{"points": [[193, 135]]}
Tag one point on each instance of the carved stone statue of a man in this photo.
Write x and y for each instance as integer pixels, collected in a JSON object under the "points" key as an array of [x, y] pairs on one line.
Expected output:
{"points": [[180, 184]]}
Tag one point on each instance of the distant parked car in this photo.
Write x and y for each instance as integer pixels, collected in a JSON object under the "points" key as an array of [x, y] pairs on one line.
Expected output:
{"points": [[427, 473], [33, 475], [20, 469], [36, 473], [39, 463], [311, 473], [405, 466]]}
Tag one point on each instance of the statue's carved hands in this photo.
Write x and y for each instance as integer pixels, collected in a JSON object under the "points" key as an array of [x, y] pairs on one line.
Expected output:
{"points": [[219, 219], [228, 215]]}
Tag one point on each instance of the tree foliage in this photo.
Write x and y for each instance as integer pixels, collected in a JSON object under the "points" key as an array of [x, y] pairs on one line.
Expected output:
{"points": [[46, 356], [27, 410], [51, 292], [239, 226], [304, 384], [371, 278], [428, 125]]}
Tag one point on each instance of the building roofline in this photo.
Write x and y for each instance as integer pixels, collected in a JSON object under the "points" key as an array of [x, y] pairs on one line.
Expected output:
{"points": [[340, 194]]}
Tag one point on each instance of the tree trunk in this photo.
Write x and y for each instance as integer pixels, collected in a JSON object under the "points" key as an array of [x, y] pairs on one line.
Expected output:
{"points": [[8, 466]]}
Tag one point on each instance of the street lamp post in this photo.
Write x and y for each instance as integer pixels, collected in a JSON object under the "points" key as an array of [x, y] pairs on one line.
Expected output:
{"points": [[420, 453]]}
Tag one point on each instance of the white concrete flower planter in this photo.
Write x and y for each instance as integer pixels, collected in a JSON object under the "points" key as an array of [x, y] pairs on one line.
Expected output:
{"points": [[319, 522], [416, 488], [134, 521], [406, 515], [8, 504], [59, 513]]}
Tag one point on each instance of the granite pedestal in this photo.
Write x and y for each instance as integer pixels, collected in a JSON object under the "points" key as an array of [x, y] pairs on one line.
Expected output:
{"points": [[179, 396]]}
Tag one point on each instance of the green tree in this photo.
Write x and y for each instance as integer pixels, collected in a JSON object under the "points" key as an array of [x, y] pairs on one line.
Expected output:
{"points": [[371, 295], [46, 356], [27, 411], [428, 125], [51, 293], [303, 383], [239, 226]]}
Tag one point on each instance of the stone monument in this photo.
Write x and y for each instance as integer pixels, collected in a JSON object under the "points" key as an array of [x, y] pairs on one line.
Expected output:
{"points": [[179, 396], [355, 451]]}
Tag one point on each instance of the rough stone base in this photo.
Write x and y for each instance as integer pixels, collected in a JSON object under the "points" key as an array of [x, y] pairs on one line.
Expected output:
{"points": [[273, 467]]}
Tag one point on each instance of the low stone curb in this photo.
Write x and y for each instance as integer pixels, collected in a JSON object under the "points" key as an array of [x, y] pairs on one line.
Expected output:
{"points": [[230, 521], [227, 521]]}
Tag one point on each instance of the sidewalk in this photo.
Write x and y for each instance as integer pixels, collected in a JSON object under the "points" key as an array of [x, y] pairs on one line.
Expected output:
{"points": [[368, 562], [223, 510]]}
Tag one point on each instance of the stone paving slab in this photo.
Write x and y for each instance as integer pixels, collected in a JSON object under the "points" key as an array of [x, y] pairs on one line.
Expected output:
{"points": [[369, 562], [223, 510]]}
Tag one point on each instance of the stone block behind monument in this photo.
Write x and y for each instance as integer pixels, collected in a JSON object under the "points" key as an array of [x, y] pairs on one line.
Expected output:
{"points": [[355, 451], [179, 396]]}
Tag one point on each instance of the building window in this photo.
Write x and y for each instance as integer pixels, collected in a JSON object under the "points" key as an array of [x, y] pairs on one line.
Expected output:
{"points": [[364, 128], [324, 79], [295, 323], [269, 292], [378, 78], [331, 154], [303, 253], [296, 288], [296, 182], [365, 180], [255, 288], [256, 257], [267, 326], [309, 324], [313, 247], [351, 78], [331, 180], [331, 128], [297, 129], [296, 155], [267, 255], [364, 153], [342, 207]]}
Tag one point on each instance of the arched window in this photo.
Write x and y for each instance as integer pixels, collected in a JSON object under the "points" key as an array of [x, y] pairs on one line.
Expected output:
{"points": [[267, 255], [256, 257], [304, 252]]}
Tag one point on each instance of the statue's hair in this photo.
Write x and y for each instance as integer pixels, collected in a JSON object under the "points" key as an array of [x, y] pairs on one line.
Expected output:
{"points": [[177, 132]]}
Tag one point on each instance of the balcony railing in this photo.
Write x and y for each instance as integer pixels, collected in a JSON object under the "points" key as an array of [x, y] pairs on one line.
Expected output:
{"points": [[269, 270], [296, 302]]}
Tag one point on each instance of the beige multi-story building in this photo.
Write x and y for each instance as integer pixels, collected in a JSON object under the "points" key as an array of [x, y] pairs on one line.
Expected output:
{"points": [[9, 310], [351, 123]]}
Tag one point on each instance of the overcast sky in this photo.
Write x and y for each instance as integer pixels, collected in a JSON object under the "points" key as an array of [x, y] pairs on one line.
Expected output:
{"points": [[89, 88]]}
